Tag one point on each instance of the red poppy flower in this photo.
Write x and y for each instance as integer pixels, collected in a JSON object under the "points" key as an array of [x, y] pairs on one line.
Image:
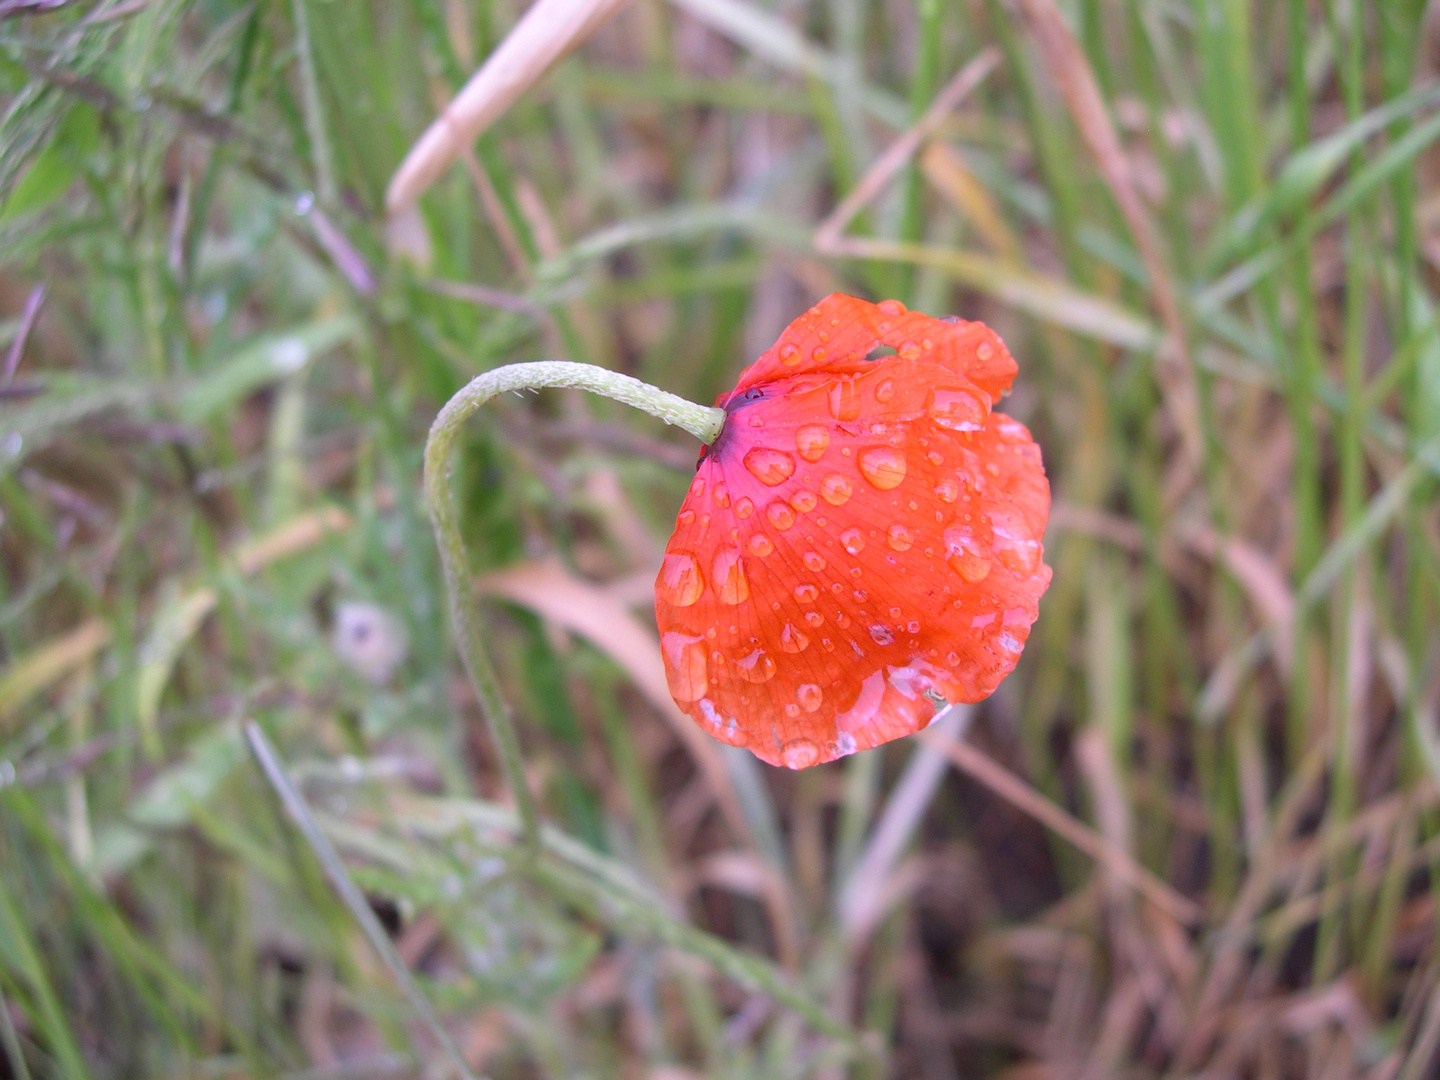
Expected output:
{"points": [[861, 543]]}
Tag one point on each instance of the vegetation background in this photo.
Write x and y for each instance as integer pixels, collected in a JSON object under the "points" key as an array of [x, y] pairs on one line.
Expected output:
{"points": [[1196, 834]]}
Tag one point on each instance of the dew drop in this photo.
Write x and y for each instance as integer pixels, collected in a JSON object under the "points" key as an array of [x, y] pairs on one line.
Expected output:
{"points": [[853, 541], [744, 507], [947, 490], [790, 354], [760, 545], [881, 634], [770, 467], [792, 640], [687, 517], [721, 495], [984, 351], [842, 620], [780, 515], [913, 626], [680, 580], [814, 618], [684, 665], [885, 391], [1013, 542], [844, 401], [813, 560], [827, 644], [811, 441], [836, 489], [900, 537], [809, 696], [757, 667], [883, 466], [800, 754], [697, 487], [956, 409], [844, 744], [818, 354], [965, 555], [803, 501], [935, 458], [806, 594], [891, 307], [727, 574], [792, 710], [908, 350]]}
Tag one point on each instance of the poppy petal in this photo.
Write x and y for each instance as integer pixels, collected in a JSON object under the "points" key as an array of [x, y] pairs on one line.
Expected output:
{"points": [[861, 545]]}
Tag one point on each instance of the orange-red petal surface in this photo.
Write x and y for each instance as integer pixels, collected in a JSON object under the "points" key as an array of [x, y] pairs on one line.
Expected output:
{"points": [[862, 543]]}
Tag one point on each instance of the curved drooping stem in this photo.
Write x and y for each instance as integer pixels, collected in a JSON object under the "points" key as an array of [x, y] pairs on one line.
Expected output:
{"points": [[701, 421]]}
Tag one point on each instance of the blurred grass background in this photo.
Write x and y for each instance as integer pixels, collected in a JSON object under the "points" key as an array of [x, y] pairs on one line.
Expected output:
{"points": [[1209, 230]]}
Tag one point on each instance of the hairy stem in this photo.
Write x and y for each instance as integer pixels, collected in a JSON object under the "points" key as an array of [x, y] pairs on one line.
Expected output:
{"points": [[702, 422]]}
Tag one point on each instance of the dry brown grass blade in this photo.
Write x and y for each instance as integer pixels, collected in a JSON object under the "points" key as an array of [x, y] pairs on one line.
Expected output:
{"points": [[1065, 61], [596, 615], [947, 172], [32, 672], [1023, 797], [545, 33]]}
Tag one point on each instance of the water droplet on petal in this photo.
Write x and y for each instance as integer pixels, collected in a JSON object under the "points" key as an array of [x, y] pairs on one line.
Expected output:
{"points": [[853, 541], [844, 744], [684, 665], [806, 594], [814, 618], [885, 391], [680, 580], [792, 640], [956, 409], [760, 545], [965, 555], [800, 754], [721, 495], [818, 354], [891, 307], [790, 354], [947, 490], [908, 350], [744, 507], [883, 466], [984, 351], [727, 575], [803, 501], [881, 634], [813, 560], [836, 489], [844, 401], [697, 487], [809, 696], [811, 440], [900, 537], [780, 515], [687, 517], [1013, 542], [770, 467], [756, 667]]}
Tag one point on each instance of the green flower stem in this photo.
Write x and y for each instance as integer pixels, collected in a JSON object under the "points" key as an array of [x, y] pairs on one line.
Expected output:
{"points": [[702, 422]]}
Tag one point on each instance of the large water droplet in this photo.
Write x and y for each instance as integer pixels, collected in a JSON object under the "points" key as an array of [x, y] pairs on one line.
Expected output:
{"points": [[809, 696], [984, 351], [956, 409], [965, 555], [836, 489], [844, 400], [882, 634], [803, 501], [891, 307], [757, 667], [744, 507], [780, 515], [684, 665], [807, 593], [1013, 542], [853, 540], [760, 545], [721, 495], [814, 618], [800, 754], [792, 640], [680, 581], [813, 560], [844, 744], [697, 487], [790, 354], [770, 467], [811, 441], [883, 466], [727, 575], [947, 490], [900, 537]]}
